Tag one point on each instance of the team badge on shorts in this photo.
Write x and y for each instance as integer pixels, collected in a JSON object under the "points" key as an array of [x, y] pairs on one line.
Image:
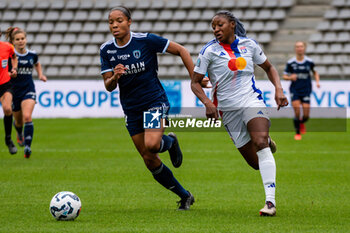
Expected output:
{"points": [[152, 119]]}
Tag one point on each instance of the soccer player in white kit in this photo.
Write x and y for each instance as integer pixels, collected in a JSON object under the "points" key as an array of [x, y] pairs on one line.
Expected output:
{"points": [[229, 60]]}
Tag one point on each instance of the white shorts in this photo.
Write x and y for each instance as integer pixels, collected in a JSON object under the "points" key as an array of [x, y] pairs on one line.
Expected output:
{"points": [[236, 121]]}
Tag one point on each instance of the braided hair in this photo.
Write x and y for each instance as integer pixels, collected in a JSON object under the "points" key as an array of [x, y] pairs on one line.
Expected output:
{"points": [[239, 29], [123, 9]]}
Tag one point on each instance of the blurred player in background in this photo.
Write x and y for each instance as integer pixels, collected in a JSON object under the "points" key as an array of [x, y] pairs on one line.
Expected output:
{"points": [[7, 53], [24, 95], [298, 70], [229, 60], [130, 61]]}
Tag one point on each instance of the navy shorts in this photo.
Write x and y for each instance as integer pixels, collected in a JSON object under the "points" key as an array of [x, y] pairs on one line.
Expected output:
{"points": [[5, 87], [302, 98], [19, 96], [134, 119]]}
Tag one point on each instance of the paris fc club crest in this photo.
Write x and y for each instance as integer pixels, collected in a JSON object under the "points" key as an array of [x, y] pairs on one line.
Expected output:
{"points": [[137, 54]]}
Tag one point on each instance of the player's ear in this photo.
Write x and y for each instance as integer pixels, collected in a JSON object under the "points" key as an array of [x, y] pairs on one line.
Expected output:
{"points": [[233, 24], [129, 22]]}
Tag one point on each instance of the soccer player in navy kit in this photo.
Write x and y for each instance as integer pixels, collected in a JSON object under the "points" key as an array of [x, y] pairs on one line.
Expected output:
{"points": [[24, 95], [298, 70], [130, 61]]}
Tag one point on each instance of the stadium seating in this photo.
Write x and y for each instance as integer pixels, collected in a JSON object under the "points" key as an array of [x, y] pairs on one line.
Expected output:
{"points": [[330, 45], [67, 33]]}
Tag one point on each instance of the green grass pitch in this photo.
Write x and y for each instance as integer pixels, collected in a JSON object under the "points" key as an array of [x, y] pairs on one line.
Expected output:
{"points": [[95, 159]]}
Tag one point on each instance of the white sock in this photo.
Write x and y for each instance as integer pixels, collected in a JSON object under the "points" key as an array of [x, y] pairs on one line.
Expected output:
{"points": [[267, 167]]}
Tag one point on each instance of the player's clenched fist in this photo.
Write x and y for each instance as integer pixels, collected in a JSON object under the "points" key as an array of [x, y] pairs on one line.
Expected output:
{"points": [[119, 70]]}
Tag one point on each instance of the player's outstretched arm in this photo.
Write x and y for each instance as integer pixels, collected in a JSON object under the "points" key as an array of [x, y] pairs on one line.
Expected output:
{"points": [[272, 74], [196, 87], [177, 49], [111, 78]]}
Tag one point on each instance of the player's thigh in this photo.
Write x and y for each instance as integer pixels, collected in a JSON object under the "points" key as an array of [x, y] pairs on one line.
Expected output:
{"points": [[240, 137], [27, 107], [258, 129], [153, 138], [235, 127], [257, 121], [6, 102], [139, 142]]}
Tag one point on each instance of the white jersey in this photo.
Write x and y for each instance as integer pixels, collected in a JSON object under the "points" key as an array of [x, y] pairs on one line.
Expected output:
{"points": [[231, 89]]}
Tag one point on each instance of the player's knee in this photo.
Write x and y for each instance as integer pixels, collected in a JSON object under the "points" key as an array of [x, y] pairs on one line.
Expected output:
{"points": [[261, 142], [152, 146], [27, 118], [7, 110]]}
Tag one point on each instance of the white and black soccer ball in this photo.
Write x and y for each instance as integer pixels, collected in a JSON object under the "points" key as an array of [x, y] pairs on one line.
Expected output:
{"points": [[65, 206]]}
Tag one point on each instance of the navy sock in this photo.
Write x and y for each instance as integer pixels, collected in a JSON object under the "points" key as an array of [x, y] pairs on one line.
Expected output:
{"points": [[305, 119], [19, 129], [28, 133], [8, 126], [165, 177], [166, 143], [297, 125]]}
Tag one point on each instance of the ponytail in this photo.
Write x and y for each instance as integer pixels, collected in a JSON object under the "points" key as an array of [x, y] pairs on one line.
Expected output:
{"points": [[11, 32]]}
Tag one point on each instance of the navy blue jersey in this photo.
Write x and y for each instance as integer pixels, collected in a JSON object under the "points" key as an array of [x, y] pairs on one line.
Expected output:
{"points": [[302, 86], [140, 85], [24, 79]]}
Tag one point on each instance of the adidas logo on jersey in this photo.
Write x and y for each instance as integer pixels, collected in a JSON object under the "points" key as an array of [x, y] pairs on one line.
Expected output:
{"points": [[112, 59]]}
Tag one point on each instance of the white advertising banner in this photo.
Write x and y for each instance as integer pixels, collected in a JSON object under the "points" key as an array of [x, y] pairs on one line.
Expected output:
{"points": [[88, 98], [75, 99]]}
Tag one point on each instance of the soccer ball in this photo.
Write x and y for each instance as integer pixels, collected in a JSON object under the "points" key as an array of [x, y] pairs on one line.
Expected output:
{"points": [[65, 206]]}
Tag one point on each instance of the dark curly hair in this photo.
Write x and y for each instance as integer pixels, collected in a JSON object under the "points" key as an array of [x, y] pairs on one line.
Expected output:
{"points": [[239, 29]]}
